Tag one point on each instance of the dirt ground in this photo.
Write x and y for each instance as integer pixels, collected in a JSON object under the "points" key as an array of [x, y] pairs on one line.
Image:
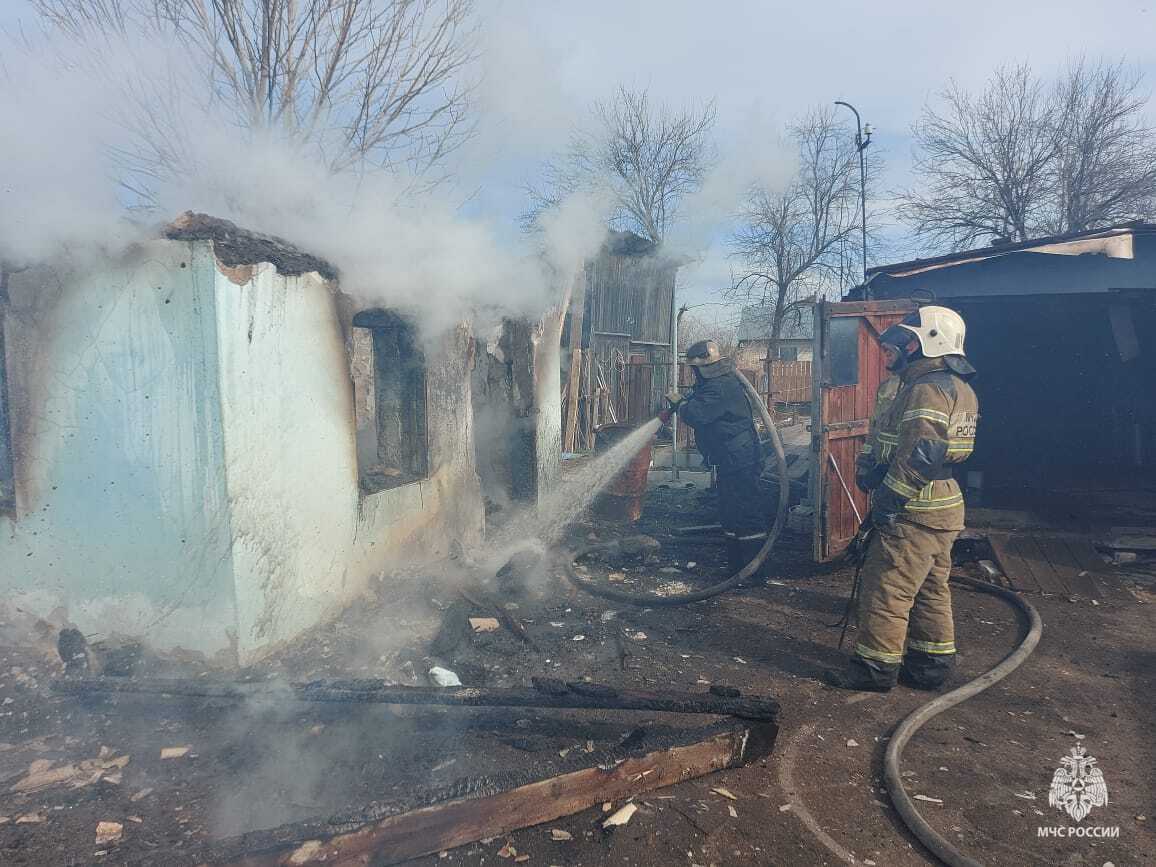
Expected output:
{"points": [[984, 766]]}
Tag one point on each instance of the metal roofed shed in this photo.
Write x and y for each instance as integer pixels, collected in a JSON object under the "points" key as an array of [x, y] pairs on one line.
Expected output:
{"points": [[1063, 333]]}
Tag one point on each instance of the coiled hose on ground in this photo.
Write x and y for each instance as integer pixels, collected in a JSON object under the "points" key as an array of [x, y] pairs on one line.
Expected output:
{"points": [[927, 835], [773, 533]]}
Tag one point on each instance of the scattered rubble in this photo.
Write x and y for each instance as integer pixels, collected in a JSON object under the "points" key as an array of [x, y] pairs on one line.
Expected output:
{"points": [[108, 833], [621, 816], [443, 677], [43, 775], [306, 852]]}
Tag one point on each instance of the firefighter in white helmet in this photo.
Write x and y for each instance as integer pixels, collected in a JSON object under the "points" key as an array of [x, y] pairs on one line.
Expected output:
{"points": [[904, 614]]}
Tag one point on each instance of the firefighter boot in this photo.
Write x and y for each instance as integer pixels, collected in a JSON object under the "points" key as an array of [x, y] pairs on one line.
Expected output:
{"points": [[864, 675], [927, 671]]}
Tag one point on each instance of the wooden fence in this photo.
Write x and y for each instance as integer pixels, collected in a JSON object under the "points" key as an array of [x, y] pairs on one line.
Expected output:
{"points": [[790, 382]]}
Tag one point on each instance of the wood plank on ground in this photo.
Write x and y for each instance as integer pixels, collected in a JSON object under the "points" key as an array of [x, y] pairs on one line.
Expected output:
{"points": [[1132, 538], [458, 821], [1032, 551], [1011, 561], [1095, 578], [1060, 563]]}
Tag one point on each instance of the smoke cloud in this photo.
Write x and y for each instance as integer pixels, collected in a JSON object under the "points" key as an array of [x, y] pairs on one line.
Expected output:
{"points": [[82, 176]]}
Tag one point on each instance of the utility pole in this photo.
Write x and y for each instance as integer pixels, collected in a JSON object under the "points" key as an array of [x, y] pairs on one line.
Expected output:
{"points": [[862, 140], [675, 319]]}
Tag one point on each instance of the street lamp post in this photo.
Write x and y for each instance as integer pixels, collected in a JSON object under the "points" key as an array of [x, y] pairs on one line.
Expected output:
{"points": [[862, 140]]}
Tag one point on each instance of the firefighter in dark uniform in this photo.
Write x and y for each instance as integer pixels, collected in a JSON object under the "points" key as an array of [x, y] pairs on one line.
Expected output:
{"points": [[927, 426], [720, 414]]}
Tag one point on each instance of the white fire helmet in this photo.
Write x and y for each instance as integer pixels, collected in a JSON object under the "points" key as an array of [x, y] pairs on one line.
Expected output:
{"points": [[940, 331]]}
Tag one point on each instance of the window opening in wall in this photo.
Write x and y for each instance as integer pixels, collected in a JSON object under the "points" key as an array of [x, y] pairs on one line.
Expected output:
{"points": [[788, 353], [389, 370]]}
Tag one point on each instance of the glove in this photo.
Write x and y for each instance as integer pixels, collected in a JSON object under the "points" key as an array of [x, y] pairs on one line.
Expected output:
{"points": [[675, 399], [856, 552], [665, 415], [886, 508], [867, 480]]}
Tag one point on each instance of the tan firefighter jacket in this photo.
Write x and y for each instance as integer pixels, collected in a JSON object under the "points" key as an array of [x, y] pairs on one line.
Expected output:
{"points": [[869, 455], [929, 425]]}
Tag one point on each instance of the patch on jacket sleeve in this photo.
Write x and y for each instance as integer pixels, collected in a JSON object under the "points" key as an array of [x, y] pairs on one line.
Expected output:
{"points": [[962, 425]]}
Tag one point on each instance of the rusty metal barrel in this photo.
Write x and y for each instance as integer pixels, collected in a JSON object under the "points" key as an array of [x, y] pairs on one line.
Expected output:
{"points": [[622, 498]]}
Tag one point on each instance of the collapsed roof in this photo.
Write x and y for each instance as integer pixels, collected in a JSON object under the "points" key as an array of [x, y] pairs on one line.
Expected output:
{"points": [[235, 246]]}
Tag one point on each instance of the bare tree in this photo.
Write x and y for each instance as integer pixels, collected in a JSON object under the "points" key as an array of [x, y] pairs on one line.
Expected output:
{"points": [[1022, 159], [792, 243], [649, 157], [1105, 167], [985, 162], [374, 82]]}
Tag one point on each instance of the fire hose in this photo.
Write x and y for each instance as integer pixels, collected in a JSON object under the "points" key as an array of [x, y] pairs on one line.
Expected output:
{"points": [[773, 533], [905, 806]]}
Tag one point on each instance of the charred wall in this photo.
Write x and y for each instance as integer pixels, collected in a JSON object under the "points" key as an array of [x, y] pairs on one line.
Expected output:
{"points": [[308, 536], [517, 412]]}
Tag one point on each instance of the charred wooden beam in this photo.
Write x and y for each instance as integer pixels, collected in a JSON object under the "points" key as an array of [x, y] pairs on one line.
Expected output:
{"points": [[391, 833], [546, 693]]}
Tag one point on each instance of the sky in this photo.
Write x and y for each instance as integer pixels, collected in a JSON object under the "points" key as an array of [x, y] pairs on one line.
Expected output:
{"points": [[765, 63], [543, 63]]}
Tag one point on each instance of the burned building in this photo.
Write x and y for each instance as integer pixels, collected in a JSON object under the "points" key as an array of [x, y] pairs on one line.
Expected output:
{"points": [[210, 446], [516, 394]]}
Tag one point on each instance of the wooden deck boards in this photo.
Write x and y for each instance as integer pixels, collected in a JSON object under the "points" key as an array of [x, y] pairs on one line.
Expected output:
{"points": [[1060, 563]]}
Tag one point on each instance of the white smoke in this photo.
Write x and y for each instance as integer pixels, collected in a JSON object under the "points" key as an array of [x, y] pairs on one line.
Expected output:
{"points": [[77, 175]]}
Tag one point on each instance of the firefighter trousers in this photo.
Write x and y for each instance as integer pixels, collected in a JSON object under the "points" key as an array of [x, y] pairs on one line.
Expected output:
{"points": [[743, 515], [904, 611]]}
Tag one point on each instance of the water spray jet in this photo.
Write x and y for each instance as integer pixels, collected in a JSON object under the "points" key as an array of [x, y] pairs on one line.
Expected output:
{"points": [[736, 580]]}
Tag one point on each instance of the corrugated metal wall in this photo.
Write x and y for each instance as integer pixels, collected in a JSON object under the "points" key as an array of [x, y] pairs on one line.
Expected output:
{"points": [[630, 295]]}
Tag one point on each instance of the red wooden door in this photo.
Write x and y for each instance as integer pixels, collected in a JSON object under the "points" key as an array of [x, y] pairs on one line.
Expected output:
{"points": [[847, 369]]}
